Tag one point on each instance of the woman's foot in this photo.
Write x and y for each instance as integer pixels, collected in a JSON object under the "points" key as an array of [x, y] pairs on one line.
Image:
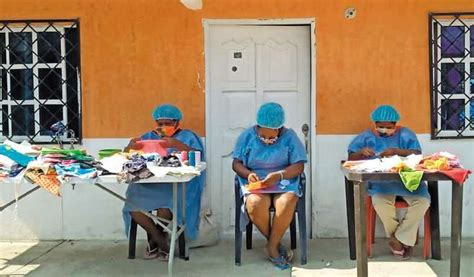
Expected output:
{"points": [[408, 251], [151, 252], [272, 251], [396, 246]]}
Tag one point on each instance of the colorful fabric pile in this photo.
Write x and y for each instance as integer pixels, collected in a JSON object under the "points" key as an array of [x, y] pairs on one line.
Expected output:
{"points": [[412, 167]]}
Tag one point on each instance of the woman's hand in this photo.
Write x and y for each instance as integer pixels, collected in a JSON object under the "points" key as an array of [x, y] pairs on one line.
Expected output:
{"points": [[367, 152], [131, 144], [271, 179], [170, 142], [252, 178], [389, 152]]}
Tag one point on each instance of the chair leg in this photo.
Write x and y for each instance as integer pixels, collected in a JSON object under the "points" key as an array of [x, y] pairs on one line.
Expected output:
{"points": [[293, 233], [248, 235], [132, 239], [182, 247], [427, 240], [238, 244], [370, 226], [301, 212]]}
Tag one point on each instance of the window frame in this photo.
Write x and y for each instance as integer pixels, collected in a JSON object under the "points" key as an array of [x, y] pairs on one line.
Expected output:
{"points": [[435, 23], [34, 27]]}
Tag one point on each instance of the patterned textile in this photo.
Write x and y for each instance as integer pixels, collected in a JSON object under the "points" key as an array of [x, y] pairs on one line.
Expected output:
{"points": [[49, 182]]}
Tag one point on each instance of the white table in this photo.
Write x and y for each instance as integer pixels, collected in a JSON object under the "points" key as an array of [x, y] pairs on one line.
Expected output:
{"points": [[100, 181]]}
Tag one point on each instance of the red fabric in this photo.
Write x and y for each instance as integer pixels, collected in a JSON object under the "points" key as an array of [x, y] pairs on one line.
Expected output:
{"points": [[457, 174]]}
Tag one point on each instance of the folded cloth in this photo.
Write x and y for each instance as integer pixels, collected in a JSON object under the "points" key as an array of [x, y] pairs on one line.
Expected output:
{"points": [[411, 178], [459, 175], [16, 156], [23, 148], [76, 170], [67, 152], [6, 162]]}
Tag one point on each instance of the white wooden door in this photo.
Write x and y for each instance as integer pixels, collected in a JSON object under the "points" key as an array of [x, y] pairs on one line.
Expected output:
{"points": [[249, 65]]}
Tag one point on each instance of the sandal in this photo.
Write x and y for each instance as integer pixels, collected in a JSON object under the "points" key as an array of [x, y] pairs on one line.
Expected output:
{"points": [[408, 251], [280, 262], [286, 253], [163, 256], [150, 254], [395, 252], [399, 253]]}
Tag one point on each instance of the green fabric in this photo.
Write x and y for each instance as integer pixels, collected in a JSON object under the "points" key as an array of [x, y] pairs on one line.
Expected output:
{"points": [[108, 152], [68, 152], [411, 178]]}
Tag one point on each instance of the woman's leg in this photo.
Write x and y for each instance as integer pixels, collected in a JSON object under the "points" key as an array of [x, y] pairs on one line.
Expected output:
{"points": [[285, 205], [407, 230], [257, 208], [384, 205], [157, 237]]}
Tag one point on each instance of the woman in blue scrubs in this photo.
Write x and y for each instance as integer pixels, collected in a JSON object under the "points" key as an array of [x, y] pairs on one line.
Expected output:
{"points": [[270, 153], [151, 197], [384, 140]]}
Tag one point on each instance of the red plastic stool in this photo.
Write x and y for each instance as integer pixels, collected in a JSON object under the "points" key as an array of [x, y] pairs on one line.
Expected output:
{"points": [[399, 204]]}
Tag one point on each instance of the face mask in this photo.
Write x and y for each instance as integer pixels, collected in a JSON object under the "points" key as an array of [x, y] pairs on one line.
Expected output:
{"points": [[168, 131], [385, 132], [268, 141]]}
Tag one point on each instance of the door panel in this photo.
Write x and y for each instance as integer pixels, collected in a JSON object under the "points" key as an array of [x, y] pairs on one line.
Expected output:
{"points": [[251, 65]]}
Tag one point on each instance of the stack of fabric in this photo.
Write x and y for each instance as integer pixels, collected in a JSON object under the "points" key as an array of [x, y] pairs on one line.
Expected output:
{"points": [[55, 165], [15, 157]]}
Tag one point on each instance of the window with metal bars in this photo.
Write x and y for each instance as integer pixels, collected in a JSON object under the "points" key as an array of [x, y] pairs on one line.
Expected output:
{"points": [[451, 39], [39, 79]]}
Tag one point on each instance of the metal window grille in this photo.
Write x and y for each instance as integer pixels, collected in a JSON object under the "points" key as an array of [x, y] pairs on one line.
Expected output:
{"points": [[451, 41], [39, 79]]}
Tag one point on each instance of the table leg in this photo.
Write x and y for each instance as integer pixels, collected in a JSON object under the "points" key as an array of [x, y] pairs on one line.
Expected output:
{"points": [[183, 216], [174, 229], [350, 217], [456, 228], [434, 221], [360, 231]]}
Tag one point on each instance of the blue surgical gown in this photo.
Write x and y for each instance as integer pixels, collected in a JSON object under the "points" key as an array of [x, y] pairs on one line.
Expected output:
{"points": [[404, 138], [151, 196], [264, 159]]}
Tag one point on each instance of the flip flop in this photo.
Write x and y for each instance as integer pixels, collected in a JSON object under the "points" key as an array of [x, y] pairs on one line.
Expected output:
{"points": [[285, 252], [150, 254], [163, 256], [280, 262], [398, 253]]}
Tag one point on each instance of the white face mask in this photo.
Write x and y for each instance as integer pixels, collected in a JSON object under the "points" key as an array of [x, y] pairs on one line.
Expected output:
{"points": [[268, 141], [385, 132]]}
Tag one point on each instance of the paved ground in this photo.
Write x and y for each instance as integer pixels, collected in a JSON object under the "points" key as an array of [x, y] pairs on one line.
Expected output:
{"points": [[327, 257]]}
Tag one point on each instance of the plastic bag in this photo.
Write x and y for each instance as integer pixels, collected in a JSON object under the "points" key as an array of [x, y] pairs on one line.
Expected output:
{"points": [[208, 231]]}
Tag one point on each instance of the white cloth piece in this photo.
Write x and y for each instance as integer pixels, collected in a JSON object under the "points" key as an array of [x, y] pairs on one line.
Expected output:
{"points": [[24, 147], [114, 163], [6, 162], [161, 171], [39, 164], [386, 164]]}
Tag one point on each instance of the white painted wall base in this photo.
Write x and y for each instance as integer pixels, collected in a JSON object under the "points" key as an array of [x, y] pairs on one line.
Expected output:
{"points": [[89, 213]]}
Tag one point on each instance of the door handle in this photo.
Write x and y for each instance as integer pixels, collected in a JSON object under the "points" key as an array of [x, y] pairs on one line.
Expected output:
{"points": [[305, 130]]}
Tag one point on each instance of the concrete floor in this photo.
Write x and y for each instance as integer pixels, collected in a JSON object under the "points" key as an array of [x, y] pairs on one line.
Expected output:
{"points": [[327, 257]]}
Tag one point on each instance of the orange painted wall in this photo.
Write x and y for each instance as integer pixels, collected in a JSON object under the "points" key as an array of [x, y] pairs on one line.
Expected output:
{"points": [[139, 53]]}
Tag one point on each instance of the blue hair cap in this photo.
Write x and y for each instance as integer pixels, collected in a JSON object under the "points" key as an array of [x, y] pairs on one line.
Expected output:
{"points": [[385, 113], [271, 115], [167, 111]]}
